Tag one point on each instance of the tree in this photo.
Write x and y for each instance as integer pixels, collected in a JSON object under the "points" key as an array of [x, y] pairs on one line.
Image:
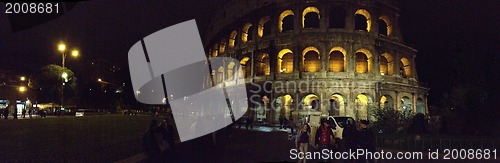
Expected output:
{"points": [[49, 81]]}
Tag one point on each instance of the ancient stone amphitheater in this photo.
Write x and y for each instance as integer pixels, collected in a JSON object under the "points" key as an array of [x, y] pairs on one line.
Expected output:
{"points": [[341, 57]]}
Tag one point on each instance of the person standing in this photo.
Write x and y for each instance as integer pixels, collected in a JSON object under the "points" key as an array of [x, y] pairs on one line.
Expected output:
{"points": [[15, 113], [151, 146], [302, 141], [324, 137], [6, 112], [365, 140], [24, 113], [30, 112], [349, 138]]}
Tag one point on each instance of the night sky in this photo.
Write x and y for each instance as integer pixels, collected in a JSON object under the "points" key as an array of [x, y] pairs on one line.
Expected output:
{"points": [[107, 29]]}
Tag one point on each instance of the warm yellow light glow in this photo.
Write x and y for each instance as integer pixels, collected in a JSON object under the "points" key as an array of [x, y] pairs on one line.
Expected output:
{"points": [[232, 38], [363, 61], [22, 88], [282, 16], [243, 63], [366, 14], [99, 80], [339, 103], [262, 21], [406, 64], [61, 47], [75, 53], [308, 10], [309, 99], [389, 64], [337, 59], [230, 70], [222, 48], [311, 60], [220, 75], [387, 21], [215, 52], [285, 61], [263, 64], [23, 78], [244, 35]]}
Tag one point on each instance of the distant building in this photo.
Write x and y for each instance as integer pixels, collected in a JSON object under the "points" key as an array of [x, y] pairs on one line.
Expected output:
{"points": [[14, 88], [341, 57]]}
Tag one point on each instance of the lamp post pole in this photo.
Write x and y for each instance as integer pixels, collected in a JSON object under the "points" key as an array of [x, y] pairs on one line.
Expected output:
{"points": [[62, 48]]}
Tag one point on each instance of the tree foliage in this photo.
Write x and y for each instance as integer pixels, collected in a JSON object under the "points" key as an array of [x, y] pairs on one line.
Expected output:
{"points": [[49, 82]]}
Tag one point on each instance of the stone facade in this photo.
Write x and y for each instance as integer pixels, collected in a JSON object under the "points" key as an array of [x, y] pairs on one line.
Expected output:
{"points": [[348, 57]]}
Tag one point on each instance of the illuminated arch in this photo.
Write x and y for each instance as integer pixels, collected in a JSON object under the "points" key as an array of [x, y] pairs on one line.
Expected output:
{"points": [[246, 33], [285, 61], [230, 71], [386, 64], [363, 61], [386, 102], [283, 106], [337, 104], [222, 47], [220, 74], [362, 104], [314, 23], [311, 101], [420, 106], [263, 28], [359, 22], [311, 59], [281, 22], [262, 65], [215, 51], [405, 106], [337, 59], [243, 63], [232, 39], [405, 68], [385, 25]]}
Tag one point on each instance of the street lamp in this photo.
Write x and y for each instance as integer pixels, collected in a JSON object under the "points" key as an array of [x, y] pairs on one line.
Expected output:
{"points": [[74, 53]]}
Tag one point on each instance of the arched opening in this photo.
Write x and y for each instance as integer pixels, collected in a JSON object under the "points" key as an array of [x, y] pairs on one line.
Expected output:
{"points": [[232, 39], [311, 60], [337, 105], [362, 103], [406, 106], [420, 106], [386, 64], [363, 61], [220, 75], [283, 106], [337, 17], [243, 63], [362, 20], [384, 26], [264, 26], [310, 17], [223, 43], [285, 61], [263, 67], [246, 32], [215, 51], [386, 102], [405, 69], [337, 59], [311, 101], [230, 71], [286, 21]]}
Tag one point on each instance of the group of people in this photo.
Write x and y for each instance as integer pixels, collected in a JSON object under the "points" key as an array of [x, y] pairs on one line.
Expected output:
{"points": [[159, 141], [354, 137], [6, 112]]}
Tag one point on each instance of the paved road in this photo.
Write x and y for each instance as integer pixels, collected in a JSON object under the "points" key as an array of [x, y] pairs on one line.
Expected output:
{"points": [[261, 144]]}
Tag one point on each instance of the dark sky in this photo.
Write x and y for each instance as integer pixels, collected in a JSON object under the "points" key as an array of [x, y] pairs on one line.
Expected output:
{"points": [[107, 29]]}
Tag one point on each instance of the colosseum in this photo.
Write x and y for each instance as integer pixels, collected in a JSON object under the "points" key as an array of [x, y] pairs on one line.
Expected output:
{"points": [[339, 57]]}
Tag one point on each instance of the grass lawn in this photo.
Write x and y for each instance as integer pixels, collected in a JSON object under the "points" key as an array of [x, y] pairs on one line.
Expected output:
{"points": [[98, 138]]}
